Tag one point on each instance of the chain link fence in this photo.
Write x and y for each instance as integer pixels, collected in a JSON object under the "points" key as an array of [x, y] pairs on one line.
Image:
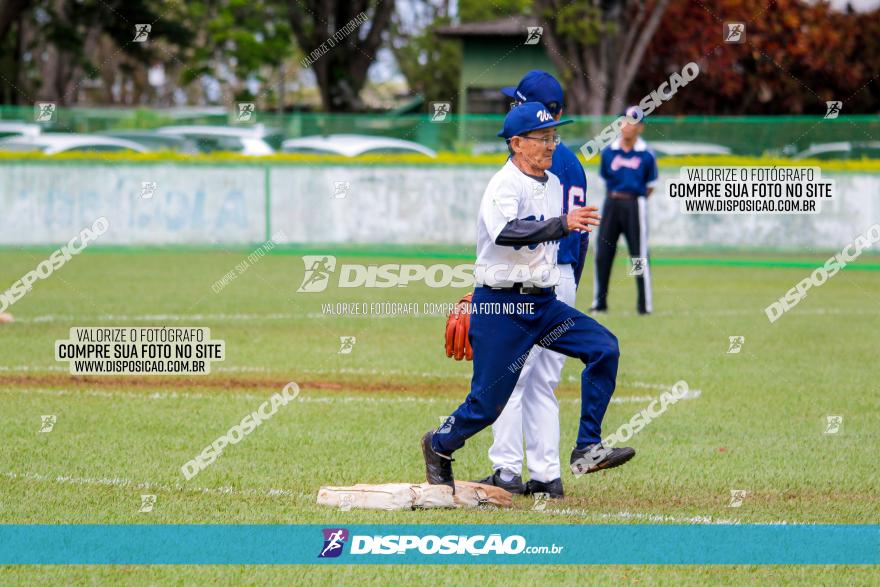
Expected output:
{"points": [[845, 137]]}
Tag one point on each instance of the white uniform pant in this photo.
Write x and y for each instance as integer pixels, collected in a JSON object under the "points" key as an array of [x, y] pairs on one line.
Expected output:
{"points": [[532, 411]]}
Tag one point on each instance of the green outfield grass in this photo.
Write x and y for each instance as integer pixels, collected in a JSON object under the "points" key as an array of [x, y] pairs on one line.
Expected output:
{"points": [[756, 426]]}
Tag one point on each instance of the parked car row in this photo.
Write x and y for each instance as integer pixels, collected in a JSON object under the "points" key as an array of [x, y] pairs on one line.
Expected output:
{"points": [[258, 141], [252, 141], [56, 142], [824, 151], [184, 139]]}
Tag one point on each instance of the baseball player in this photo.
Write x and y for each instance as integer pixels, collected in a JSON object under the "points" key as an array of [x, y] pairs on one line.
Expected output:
{"points": [[520, 223], [532, 411], [629, 169]]}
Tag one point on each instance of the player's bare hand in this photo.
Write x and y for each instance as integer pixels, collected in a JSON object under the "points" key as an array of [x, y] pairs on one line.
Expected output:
{"points": [[583, 218]]}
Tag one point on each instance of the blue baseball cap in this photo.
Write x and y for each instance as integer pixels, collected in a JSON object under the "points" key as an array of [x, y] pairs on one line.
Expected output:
{"points": [[634, 114], [538, 86], [528, 117]]}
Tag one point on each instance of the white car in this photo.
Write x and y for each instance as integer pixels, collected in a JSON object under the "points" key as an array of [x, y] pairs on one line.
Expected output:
{"points": [[841, 150], [10, 128], [244, 140], [353, 145], [154, 141], [489, 148], [53, 143], [680, 148]]}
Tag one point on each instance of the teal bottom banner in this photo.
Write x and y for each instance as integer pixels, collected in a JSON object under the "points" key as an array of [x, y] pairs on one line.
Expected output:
{"points": [[441, 544]]}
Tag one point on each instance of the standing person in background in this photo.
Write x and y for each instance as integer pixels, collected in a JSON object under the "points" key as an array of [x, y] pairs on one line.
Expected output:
{"points": [[629, 169]]}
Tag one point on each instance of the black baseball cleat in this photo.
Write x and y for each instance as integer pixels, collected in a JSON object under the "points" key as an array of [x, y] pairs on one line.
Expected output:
{"points": [[438, 468], [598, 310], [554, 488], [596, 457], [515, 485]]}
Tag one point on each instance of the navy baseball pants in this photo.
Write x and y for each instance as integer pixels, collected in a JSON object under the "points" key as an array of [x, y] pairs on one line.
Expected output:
{"points": [[628, 217], [501, 343]]}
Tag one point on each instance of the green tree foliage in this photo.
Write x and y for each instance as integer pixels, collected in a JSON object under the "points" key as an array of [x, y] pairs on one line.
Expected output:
{"points": [[480, 10], [237, 40], [430, 63], [48, 47], [341, 72]]}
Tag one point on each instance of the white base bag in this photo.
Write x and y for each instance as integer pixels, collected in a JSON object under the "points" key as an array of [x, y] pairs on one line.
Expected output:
{"points": [[407, 496]]}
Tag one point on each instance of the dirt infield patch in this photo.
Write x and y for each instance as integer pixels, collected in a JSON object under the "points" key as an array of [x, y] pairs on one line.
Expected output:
{"points": [[223, 383]]}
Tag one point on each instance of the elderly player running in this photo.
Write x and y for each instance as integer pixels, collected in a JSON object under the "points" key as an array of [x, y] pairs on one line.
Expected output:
{"points": [[532, 412], [519, 226]]}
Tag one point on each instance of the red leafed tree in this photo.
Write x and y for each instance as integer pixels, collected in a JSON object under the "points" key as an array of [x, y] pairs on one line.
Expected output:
{"points": [[796, 56]]}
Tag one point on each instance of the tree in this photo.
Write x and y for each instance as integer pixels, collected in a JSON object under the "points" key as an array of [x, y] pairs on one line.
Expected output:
{"points": [[432, 64], [598, 46], [49, 47], [341, 60], [480, 10], [796, 56], [10, 12], [237, 41]]}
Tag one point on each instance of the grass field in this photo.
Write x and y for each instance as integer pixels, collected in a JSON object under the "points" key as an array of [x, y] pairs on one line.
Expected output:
{"points": [[757, 424]]}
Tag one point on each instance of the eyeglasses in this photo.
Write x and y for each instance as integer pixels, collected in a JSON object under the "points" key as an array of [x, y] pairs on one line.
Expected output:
{"points": [[554, 139]]}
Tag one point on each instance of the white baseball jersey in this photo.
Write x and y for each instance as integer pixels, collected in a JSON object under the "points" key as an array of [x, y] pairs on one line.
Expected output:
{"points": [[511, 195]]}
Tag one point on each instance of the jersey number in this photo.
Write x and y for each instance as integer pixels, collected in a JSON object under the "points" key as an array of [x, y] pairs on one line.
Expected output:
{"points": [[576, 197]]}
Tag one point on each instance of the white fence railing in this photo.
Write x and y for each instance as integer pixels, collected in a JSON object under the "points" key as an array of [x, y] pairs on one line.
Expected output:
{"points": [[237, 204]]}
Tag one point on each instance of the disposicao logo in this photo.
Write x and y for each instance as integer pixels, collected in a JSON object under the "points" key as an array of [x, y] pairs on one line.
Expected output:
{"points": [[404, 544], [320, 268], [334, 540]]}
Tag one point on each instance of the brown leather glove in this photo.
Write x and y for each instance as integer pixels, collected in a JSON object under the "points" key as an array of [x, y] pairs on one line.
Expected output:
{"points": [[471, 494], [457, 325]]}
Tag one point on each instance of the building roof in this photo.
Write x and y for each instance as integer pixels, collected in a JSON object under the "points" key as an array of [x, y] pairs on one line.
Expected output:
{"points": [[509, 26]]}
